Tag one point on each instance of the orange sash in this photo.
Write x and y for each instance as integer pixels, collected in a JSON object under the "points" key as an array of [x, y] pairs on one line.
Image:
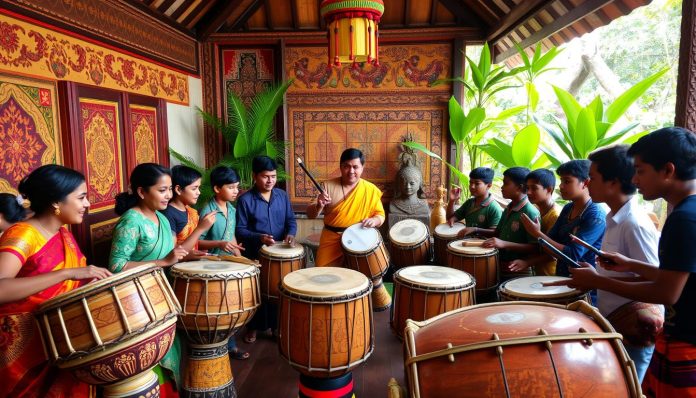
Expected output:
{"points": [[192, 223]]}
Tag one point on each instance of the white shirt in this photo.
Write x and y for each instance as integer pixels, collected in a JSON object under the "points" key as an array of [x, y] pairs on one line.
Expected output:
{"points": [[631, 233]]}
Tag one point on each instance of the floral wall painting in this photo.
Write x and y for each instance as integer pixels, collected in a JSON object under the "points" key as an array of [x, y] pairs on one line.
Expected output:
{"points": [[144, 129], [29, 129]]}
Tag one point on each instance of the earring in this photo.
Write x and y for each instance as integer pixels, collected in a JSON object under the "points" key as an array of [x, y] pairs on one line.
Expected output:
{"points": [[56, 211]]}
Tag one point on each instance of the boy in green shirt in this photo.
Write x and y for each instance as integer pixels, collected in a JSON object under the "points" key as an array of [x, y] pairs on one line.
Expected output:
{"points": [[481, 210], [220, 239]]}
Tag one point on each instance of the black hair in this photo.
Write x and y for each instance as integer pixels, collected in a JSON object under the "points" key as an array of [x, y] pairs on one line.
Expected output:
{"points": [[49, 184], [578, 168], [518, 175], [613, 163], [184, 176], [352, 153], [10, 209], [544, 177], [484, 174], [223, 175], [263, 163], [143, 176], [674, 145]]}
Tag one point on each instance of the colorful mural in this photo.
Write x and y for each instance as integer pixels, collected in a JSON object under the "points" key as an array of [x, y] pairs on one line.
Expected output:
{"points": [[28, 128], [247, 72], [143, 120], [37, 51]]}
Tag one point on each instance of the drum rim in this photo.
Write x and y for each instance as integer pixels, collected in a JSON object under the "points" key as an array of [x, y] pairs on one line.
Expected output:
{"points": [[439, 235], [440, 288], [248, 272], [99, 286], [450, 248], [569, 294], [270, 255], [309, 271], [285, 293], [369, 250], [416, 243]]}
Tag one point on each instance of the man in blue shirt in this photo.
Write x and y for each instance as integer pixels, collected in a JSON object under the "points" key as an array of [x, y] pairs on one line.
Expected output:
{"points": [[264, 217]]}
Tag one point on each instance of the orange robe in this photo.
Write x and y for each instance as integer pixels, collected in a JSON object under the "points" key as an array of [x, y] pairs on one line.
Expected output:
{"points": [[364, 201], [24, 369]]}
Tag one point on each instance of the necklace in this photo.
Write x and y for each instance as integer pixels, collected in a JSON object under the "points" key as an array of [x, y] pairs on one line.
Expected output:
{"points": [[589, 201], [40, 224]]}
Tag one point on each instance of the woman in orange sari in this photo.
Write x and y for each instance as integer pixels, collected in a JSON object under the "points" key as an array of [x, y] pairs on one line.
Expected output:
{"points": [[39, 259]]}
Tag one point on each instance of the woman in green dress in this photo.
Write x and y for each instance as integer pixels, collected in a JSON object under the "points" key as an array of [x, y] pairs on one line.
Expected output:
{"points": [[143, 235]]}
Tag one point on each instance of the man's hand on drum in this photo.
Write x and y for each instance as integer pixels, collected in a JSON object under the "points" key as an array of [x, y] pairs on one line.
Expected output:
{"points": [[531, 226], [451, 221], [584, 278], [518, 265], [613, 261], [267, 240], [290, 240], [89, 272], [494, 243], [466, 231], [174, 256], [372, 222]]}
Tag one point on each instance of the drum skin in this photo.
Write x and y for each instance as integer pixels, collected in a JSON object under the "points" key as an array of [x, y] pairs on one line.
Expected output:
{"points": [[372, 262], [329, 335], [418, 301], [116, 328], [416, 250], [512, 345], [483, 266], [531, 289], [274, 268], [441, 240]]}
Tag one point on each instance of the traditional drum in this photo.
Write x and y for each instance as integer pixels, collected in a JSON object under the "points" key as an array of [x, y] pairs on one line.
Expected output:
{"points": [[518, 349], [364, 251], [276, 262], [478, 261], [325, 320], [217, 298], [443, 235], [424, 291], [112, 332], [531, 288], [410, 243]]}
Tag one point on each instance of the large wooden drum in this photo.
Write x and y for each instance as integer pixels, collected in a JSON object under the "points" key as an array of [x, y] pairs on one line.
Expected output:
{"points": [[364, 251], [481, 262], [424, 291], [442, 236], [276, 262], [325, 320], [518, 349], [410, 243], [112, 332], [531, 288]]}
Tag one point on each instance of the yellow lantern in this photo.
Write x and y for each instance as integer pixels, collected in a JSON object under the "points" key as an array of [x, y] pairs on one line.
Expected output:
{"points": [[352, 30]]}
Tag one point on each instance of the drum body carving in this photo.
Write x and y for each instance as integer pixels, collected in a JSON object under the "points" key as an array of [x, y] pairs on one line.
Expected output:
{"points": [[325, 321], [410, 243], [364, 251], [217, 298], [442, 236], [478, 261], [531, 288], [276, 262], [518, 349], [424, 291], [113, 331]]}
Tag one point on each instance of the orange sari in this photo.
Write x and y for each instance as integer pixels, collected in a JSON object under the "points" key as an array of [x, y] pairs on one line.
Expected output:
{"points": [[192, 216], [24, 369]]}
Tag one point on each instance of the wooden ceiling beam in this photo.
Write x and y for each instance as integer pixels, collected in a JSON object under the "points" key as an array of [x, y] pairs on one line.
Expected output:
{"points": [[216, 17], [462, 13], [565, 20], [516, 17]]}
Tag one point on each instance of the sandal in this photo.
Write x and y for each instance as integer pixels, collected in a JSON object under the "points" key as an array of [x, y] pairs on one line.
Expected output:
{"points": [[239, 354]]}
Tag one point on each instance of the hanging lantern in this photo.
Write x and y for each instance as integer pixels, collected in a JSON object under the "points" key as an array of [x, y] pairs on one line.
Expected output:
{"points": [[352, 30]]}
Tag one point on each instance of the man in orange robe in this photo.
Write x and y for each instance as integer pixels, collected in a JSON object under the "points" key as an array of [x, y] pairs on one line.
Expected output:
{"points": [[346, 200]]}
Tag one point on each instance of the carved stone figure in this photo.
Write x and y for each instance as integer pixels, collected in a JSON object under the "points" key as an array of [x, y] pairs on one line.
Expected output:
{"points": [[409, 197]]}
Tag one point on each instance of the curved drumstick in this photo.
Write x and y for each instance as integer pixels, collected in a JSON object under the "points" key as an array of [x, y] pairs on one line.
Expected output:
{"points": [[316, 184]]}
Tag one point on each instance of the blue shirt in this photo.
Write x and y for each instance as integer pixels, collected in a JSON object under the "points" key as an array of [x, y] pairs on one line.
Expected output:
{"points": [[677, 252], [589, 226], [256, 217]]}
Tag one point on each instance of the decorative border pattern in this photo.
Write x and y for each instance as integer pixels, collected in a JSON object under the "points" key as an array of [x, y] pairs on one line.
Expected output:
{"points": [[143, 120]]}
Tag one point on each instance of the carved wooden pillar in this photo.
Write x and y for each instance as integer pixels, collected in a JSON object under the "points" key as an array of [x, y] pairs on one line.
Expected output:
{"points": [[686, 81], [212, 140]]}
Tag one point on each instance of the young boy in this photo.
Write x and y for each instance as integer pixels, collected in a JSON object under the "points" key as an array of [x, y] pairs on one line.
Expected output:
{"points": [[581, 217], [481, 210], [665, 166], [220, 239], [509, 236], [183, 219]]}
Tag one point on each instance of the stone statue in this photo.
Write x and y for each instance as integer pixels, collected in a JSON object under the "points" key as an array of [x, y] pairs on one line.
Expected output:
{"points": [[409, 197]]}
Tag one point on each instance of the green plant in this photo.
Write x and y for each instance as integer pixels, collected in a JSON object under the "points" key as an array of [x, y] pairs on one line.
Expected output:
{"points": [[249, 132], [593, 126]]}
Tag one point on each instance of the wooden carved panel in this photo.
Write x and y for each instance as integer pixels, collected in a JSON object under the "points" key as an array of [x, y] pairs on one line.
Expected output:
{"points": [[29, 130], [143, 128]]}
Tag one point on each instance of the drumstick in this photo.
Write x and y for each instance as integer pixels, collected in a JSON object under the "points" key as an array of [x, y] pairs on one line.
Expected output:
{"points": [[239, 259], [472, 243], [210, 257], [316, 184]]}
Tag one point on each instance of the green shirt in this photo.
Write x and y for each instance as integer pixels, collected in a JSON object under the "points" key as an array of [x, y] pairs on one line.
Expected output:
{"points": [[510, 228], [486, 215], [223, 228]]}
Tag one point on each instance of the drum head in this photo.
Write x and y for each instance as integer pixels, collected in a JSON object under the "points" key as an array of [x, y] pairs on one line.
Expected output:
{"points": [[408, 232], [457, 246], [358, 239], [433, 275], [532, 287], [445, 231], [212, 269], [325, 282], [282, 250]]}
